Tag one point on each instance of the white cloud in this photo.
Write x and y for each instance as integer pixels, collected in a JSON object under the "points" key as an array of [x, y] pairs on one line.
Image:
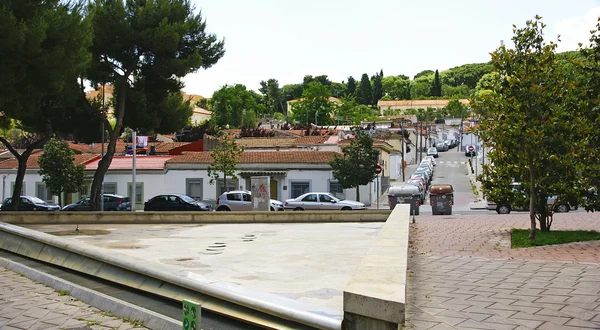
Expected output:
{"points": [[575, 30]]}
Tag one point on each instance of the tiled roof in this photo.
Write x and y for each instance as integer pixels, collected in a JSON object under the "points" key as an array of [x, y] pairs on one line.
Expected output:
{"points": [[202, 111], [265, 142], [331, 98], [32, 161], [165, 147], [126, 163], [304, 140], [417, 103], [161, 147], [262, 157]]}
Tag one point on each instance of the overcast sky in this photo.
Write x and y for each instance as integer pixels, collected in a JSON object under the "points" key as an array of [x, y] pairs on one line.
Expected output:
{"points": [[287, 40]]}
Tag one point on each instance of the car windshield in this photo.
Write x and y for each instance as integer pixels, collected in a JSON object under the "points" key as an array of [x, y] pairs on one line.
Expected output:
{"points": [[187, 198], [37, 200]]}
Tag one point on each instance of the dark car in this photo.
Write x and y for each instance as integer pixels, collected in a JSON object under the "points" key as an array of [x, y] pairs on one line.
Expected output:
{"points": [[112, 202], [175, 202], [30, 203]]}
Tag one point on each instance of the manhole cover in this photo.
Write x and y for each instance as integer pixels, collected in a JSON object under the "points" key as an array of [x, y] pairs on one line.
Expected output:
{"points": [[75, 232]]}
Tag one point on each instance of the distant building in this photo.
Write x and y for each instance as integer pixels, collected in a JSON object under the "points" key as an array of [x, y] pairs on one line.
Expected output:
{"points": [[414, 104]]}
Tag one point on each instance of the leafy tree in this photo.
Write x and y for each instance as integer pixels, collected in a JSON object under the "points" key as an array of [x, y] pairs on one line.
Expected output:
{"points": [[468, 74], [58, 170], [232, 103], [356, 166], [532, 122], [162, 38], [338, 89], [43, 49], [396, 87], [350, 111], [377, 87], [423, 73], [420, 88], [436, 86], [462, 91], [487, 81], [273, 97], [315, 105], [225, 155], [364, 94], [292, 91], [351, 86]]}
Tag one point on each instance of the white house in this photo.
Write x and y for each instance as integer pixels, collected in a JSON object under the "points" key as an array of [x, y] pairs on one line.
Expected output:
{"points": [[292, 174]]}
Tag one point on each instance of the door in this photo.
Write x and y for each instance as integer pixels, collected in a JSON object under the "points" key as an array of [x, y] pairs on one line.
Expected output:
{"points": [[274, 190], [26, 205], [327, 203], [246, 204], [310, 202], [235, 201]]}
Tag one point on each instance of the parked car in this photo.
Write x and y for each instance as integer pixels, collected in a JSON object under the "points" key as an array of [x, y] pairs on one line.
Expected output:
{"points": [[321, 201], [430, 159], [241, 200], [506, 207], [175, 202], [112, 202], [419, 185], [30, 203], [441, 146], [419, 179], [432, 152]]}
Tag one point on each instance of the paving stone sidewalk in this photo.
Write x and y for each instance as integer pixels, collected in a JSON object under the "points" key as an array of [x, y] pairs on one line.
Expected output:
{"points": [[26, 304], [464, 275]]}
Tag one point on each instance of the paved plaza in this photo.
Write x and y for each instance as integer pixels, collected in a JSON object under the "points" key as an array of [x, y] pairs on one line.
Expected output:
{"points": [[462, 272]]}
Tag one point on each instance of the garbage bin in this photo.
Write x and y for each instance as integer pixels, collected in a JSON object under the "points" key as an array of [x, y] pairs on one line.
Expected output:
{"points": [[441, 198], [405, 194]]}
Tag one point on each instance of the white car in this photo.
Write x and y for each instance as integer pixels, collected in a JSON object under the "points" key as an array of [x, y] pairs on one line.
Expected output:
{"points": [[429, 159], [321, 201], [432, 152], [241, 200]]}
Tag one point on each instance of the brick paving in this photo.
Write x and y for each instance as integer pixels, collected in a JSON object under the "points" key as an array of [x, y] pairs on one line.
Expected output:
{"points": [[26, 304], [464, 275]]}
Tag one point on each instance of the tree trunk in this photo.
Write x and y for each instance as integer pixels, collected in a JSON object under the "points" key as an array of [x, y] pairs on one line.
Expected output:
{"points": [[60, 200], [532, 197], [358, 193], [104, 163], [22, 159]]}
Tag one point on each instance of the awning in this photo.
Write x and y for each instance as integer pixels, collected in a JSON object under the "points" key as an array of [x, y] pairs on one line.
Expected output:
{"points": [[262, 173]]}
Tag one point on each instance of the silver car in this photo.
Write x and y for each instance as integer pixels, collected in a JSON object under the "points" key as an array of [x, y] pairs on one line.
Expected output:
{"points": [[241, 200], [321, 201]]}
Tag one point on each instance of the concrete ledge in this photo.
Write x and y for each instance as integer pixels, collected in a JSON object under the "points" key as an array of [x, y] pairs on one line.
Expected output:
{"points": [[375, 297], [85, 218], [258, 308], [99, 300]]}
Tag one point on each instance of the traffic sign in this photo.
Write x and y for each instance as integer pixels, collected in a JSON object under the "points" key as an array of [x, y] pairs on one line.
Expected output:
{"points": [[378, 169], [471, 148]]}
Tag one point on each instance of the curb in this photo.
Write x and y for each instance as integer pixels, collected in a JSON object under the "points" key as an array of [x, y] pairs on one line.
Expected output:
{"points": [[117, 307]]}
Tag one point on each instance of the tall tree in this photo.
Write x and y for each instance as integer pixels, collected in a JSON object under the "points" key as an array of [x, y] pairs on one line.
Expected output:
{"points": [[364, 94], [315, 105], [234, 106], [351, 86], [43, 49], [356, 166], [436, 86], [532, 122], [58, 170], [165, 38], [273, 97], [396, 87], [225, 155], [377, 87]]}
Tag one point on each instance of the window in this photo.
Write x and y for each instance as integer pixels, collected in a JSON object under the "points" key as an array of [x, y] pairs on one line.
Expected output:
{"points": [[247, 197], [231, 185], [194, 188], [325, 198], [110, 188], [139, 192], [310, 198], [299, 188], [233, 197], [42, 192], [12, 188], [335, 188]]}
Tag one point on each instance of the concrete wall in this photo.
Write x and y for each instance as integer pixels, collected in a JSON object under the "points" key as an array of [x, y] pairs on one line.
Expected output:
{"points": [[375, 296]]}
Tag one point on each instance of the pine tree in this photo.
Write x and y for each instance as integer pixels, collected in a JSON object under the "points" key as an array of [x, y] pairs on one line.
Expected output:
{"points": [[364, 94], [436, 86]]}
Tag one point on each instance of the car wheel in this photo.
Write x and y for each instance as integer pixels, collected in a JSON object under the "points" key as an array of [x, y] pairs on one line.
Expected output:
{"points": [[503, 209], [562, 208], [298, 209], [272, 209], [223, 208], [346, 208]]}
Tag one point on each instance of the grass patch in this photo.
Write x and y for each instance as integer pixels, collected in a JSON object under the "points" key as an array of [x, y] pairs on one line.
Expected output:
{"points": [[520, 237], [62, 292]]}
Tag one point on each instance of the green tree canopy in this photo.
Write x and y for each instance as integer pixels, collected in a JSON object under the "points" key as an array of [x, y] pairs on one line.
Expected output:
{"points": [[58, 170], [163, 38], [364, 94], [396, 87], [273, 96], [436, 85], [225, 155], [531, 120], [351, 86], [377, 87], [43, 49], [232, 103], [314, 105], [356, 166]]}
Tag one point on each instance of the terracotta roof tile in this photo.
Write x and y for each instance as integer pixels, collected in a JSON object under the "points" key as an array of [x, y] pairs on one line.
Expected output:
{"points": [[265, 142], [32, 161], [165, 147], [126, 163], [304, 140], [253, 157], [161, 147]]}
